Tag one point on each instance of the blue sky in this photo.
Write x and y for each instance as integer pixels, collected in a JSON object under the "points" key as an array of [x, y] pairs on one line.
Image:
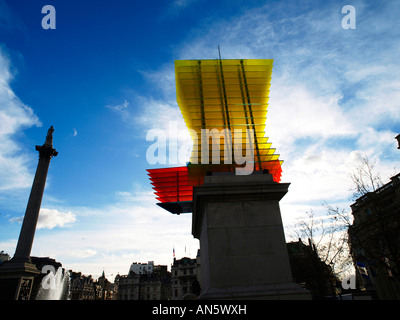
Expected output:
{"points": [[105, 77]]}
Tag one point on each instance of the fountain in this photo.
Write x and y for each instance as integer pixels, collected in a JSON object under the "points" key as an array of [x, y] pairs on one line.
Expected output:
{"points": [[54, 286]]}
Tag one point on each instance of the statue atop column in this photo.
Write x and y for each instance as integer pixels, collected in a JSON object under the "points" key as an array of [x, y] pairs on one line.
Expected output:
{"points": [[49, 137], [46, 150]]}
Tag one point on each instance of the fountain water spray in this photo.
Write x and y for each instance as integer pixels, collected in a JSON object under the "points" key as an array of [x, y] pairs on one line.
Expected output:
{"points": [[54, 286]]}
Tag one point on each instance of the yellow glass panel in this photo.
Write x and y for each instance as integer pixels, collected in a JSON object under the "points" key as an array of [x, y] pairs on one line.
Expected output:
{"points": [[225, 94]]}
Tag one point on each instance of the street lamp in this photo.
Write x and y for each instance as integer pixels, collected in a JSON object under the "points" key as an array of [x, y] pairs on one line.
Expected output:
{"points": [[398, 140]]}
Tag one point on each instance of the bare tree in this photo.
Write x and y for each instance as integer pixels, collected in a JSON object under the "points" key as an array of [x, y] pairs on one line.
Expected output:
{"points": [[370, 233], [364, 178], [328, 235]]}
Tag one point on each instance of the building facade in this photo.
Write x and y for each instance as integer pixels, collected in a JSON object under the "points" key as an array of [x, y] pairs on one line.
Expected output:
{"points": [[104, 289], [150, 282], [184, 281], [4, 257], [82, 287], [142, 268], [128, 287], [374, 239]]}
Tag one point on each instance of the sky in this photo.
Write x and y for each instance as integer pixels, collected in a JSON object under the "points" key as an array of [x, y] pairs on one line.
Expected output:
{"points": [[105, 76]]}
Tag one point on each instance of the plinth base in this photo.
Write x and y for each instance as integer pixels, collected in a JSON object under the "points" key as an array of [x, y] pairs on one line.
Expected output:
{"points": [[16, 280], [242, 243]]}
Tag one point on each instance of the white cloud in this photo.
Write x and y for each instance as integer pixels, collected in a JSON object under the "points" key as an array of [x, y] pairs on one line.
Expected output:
{"points": [[83, 254], [295, 112], [164, 79], [163, 117], [119, 107], [156, 114], [17, 219], [51, 218], [14, 117], [8, 246], [154, 118]]}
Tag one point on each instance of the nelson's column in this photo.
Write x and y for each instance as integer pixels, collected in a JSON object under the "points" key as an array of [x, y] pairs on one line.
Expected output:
{"points": [[17, 275]]}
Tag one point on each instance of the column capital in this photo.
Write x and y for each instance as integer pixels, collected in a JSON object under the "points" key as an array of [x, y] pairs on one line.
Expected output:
{"points": [[46, 152]]}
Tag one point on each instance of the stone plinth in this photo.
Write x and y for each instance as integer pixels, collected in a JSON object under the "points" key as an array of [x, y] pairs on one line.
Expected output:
{"points": [[16, 280], [242, 244]]}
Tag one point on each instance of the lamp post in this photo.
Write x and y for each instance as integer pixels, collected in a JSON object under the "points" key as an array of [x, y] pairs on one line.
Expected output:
{"points": [[398, 140]]}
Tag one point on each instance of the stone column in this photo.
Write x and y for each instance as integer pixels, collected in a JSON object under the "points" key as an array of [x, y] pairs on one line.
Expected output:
{"points": [[18, 274], [25, 241], [242, 243]]}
